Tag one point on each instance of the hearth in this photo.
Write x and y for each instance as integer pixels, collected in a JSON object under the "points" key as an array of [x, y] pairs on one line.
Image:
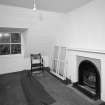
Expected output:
{"points": [[88, 79]]}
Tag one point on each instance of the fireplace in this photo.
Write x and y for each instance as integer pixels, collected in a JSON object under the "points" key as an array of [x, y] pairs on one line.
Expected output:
{"points": [[89, 78], [88, 81], [86, 70]]}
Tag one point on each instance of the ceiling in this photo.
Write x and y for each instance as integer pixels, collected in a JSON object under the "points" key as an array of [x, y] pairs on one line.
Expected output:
{"points": [[48, 5]]}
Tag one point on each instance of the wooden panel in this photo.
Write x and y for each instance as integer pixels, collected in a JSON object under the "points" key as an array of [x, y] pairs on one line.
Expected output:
{"points": [[58, 63], [54, 66], [62, 54], [56, 52], [62, 68]]}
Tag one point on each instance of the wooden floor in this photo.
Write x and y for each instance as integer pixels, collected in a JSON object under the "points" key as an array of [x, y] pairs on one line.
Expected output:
{"points": [[63, 94], [11, 90]]}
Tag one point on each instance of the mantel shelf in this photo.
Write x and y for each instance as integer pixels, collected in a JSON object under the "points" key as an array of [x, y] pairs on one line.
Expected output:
{"points": [[87, 50]]}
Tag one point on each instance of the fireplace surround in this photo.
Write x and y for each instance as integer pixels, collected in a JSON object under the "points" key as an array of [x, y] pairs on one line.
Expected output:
{"points": [[94, 79]]}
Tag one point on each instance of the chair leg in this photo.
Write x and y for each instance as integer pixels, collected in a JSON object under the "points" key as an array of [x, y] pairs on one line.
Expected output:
{"points": [[42, 68], [31, 69]]}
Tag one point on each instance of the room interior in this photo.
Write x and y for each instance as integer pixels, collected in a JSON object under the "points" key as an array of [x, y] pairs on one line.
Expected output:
{"points": [[74, 29]]}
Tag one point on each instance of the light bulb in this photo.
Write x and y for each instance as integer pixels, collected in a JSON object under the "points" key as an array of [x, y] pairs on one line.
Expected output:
{"points": [[34, 9]]}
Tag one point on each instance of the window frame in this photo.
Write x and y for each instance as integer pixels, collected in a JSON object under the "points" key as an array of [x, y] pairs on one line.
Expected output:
{"points": [[13, 43]]}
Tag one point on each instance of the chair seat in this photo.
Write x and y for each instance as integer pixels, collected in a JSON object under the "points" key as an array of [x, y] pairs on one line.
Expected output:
{"points": [[37, 65]]}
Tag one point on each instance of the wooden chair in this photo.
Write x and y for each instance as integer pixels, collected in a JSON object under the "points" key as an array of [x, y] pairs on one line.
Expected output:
{"points": [[36, 62]]}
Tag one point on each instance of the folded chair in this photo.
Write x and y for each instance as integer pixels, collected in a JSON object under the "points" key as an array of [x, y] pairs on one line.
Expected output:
{"points": [[36, 62]]}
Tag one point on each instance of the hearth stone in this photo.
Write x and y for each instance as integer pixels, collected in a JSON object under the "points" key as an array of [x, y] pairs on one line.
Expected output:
{"points": [[86, 92]]}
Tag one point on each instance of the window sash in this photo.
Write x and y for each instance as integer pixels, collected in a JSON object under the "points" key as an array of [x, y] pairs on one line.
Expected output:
{"points": [[13, 44]]}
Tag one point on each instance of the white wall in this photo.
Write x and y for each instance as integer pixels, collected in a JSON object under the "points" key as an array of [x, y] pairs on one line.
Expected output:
{"points": [[85, 27], [42, 28]]}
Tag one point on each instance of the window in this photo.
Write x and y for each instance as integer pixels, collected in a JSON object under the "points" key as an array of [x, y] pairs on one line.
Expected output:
{"points": [[10, 43]]}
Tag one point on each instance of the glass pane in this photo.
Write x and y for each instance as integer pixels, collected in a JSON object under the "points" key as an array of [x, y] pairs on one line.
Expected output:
{"points": [[15, 48], [4, 38], [4, 49], [15, 38]]}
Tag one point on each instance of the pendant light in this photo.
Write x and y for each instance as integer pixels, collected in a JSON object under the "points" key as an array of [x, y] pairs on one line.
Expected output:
{"points": [[35, 9], [34, 4]]}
